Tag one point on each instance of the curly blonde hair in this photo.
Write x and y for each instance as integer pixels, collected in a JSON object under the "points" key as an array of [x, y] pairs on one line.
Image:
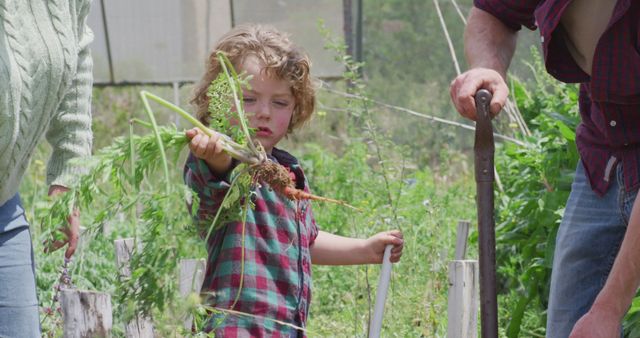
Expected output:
{"points": [[281, 58]]}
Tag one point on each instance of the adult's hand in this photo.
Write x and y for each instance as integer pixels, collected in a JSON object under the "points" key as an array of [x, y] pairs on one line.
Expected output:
{"points": [[607, 312], [71, 230], [597, 324], [464, 87]]}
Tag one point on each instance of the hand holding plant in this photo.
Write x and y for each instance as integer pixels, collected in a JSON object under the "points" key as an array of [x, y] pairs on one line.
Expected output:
{"points": [[236, 139], [70, 230], [210, 149]]}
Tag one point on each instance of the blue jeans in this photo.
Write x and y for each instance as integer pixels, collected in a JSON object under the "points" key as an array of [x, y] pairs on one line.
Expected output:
{"points": [[588, 241], [18, 301]]}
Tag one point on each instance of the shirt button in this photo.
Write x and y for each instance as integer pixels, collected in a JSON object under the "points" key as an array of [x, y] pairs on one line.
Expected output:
{"points": [[613, 123], [542, 39]]}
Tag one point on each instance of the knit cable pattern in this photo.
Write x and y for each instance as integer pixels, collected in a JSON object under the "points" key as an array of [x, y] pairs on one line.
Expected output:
{"points": [[57, 11], [21, 57]]}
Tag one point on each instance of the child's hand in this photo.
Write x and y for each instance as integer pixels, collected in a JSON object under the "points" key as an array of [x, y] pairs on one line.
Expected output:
{"points": [[376, 244], [209, 148]]}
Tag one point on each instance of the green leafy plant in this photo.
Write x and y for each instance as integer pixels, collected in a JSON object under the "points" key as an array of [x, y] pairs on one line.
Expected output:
{"points": [[124, 175]]}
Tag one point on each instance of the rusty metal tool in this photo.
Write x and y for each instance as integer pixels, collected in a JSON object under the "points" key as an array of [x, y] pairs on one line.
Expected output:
{"points": [[484, 149]]}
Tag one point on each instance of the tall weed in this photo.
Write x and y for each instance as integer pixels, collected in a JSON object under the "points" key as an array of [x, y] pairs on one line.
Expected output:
{"points": [[537, 181]]}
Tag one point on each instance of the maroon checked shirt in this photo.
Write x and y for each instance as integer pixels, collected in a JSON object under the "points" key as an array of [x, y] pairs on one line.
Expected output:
{"points": [[609, 132]]}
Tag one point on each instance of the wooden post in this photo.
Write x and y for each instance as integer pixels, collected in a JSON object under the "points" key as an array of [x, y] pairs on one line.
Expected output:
{"points": [[461, 240], [86, 313], [463, 299], [463, 290], [191, 278], [139, 327]]}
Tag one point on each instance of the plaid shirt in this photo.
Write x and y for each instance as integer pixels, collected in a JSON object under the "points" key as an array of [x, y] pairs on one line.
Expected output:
{"points": [[609, 132], [277, 267]]}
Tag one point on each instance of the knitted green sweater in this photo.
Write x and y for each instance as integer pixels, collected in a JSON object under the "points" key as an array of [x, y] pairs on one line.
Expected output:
{"points": [[45, 87]]}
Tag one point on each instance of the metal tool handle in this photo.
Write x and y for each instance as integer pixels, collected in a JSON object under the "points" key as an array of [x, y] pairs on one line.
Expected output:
{"points": [[381, 294], [484, 149]]}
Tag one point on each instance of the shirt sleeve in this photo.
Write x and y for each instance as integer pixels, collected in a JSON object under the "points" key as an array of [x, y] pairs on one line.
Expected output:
{"points": [[310, 220], [313, 226], [210, 188], [69, 131], [514, 14]]}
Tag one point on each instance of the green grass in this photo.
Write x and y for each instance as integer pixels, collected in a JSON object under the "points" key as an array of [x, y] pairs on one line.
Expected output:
{"points": [[427, 212]]}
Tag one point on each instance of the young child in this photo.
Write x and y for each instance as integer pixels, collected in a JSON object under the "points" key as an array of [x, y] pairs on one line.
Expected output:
{"points": [[281, 238]]}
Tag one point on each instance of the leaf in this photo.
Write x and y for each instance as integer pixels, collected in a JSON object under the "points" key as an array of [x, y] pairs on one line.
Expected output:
{"points": [[566, 132], [569, 122], [513, 328]]}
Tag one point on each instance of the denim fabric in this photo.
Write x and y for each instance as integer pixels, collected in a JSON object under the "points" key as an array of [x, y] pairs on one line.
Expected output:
{"points": [[588, 241], [18, 301]]}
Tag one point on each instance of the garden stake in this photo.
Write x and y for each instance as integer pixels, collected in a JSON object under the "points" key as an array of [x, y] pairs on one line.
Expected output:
{"points": [[484, 150], [381, 294]]}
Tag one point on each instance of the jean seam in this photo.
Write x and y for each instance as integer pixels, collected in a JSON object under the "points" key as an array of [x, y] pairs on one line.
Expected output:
{"points": [[622, 218], [622, 196], [610, 261]]}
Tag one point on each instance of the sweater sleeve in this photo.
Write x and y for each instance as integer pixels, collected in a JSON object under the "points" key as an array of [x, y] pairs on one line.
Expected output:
{"points": [[69, 131]]}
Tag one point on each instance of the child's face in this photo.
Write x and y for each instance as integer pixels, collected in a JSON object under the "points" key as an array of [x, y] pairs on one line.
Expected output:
{"points": [[269, 104]]}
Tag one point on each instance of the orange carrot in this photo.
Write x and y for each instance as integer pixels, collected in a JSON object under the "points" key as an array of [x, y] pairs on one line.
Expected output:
{"points": [[278, 178], [297, 194]]}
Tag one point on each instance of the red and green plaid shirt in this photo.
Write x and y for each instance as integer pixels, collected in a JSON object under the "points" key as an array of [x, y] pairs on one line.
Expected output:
{"points": [[609, 132], [277, 264]]}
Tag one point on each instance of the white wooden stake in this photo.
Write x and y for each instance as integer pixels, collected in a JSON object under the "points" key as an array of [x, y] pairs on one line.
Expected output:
{"points": [[461, 240], [462, 309], [86, 313], [191, 278], [381, 294], [140, 326]]}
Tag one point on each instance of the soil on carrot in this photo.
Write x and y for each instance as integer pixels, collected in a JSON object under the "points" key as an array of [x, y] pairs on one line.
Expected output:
{"points": [[279, 179], [273, 174]]}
